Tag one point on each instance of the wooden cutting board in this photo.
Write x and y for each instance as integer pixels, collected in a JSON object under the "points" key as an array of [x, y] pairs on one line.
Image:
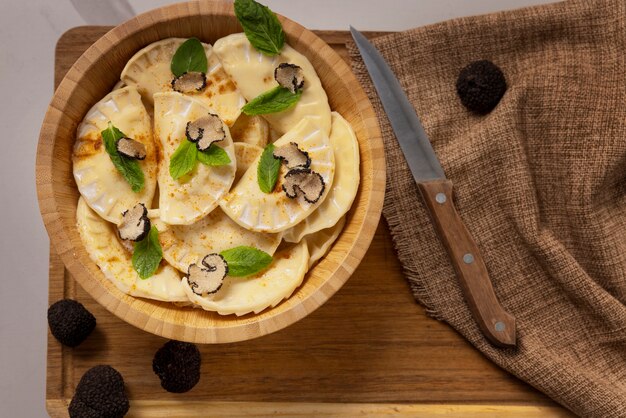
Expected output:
{"points": [[370, 350]]}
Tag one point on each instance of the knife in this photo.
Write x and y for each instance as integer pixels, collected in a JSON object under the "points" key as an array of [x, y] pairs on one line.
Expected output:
{"points": [[496, 324]]}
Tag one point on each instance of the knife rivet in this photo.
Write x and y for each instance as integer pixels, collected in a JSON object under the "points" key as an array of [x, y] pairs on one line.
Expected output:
{"points": [[500, 327], [468, 258], [440, 198]]}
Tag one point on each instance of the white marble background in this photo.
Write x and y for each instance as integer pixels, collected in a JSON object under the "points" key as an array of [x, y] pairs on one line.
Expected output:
{"points": [[28, 33]]}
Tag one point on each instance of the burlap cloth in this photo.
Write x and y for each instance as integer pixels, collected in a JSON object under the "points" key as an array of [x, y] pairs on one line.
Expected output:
{"points": [[540, 183]]}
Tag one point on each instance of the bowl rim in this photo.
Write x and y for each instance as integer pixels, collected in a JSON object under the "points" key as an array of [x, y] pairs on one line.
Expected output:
{"points": [[121, 306]]}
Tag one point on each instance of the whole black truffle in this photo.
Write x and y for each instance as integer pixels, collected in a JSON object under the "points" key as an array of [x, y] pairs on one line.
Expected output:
{"points": [[480, 86], [178, 366], [70, 322], [99, 394]]}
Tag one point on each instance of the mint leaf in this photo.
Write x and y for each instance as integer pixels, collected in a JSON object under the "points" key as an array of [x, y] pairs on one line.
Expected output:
{"points": [[275, 100], [128, 167], [183, 160], [190, 56], [147, 254], [244, 261], [214, 156], [267, 170], [261, 26]]}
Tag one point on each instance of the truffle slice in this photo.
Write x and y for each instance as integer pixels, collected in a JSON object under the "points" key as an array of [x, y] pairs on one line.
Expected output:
{"points": [[289, 76], [100, 393], [131, 149], [306, 182], [480, 86], [178, 366], [210, 279], [205, 130], [135, 223], [70, 322], [190, 82], [292, 156]]}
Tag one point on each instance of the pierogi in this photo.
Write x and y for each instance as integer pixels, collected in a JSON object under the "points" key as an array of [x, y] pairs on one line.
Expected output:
{"points": [[344, 187], [243, 295], [216, 232], [104, 248], [149, 71], [187, 199], [102, 186], [274, 212], [253, 73]]}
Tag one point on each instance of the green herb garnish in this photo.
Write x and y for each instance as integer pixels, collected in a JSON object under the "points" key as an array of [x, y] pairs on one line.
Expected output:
{"points": [[267, 170], [275, 100], [147, 254], [261, 26], [244, 261], [214, 156], [190, 56], [183, 160], [128, 167]]}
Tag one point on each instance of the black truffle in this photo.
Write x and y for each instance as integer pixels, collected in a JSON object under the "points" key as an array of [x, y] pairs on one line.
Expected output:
{"points": [[292, 156], [130, 148], [99, 394], [205, 130], [210, 279], [178, 366], [190, 82], [70, 322], [289, 76], [135, 224], [306, 182], [480, 86]]}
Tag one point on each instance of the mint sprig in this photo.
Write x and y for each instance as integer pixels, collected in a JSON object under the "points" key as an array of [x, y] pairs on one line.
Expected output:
{"points": [[184, 159], [245, 261], [128, 167], [275, 100], [267, 170], [190, 56], [147, 254], [261, 26], [214, 156]]}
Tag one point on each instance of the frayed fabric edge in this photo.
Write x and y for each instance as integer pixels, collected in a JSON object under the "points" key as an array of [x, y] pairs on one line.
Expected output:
{"points": [[402, 249]]}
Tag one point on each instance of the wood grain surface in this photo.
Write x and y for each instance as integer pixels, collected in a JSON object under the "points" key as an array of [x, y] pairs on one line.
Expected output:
{"points": [[369, 351]]}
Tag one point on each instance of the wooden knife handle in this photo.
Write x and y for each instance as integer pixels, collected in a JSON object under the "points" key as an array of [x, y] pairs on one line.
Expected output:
{"points": [[496, 324]]}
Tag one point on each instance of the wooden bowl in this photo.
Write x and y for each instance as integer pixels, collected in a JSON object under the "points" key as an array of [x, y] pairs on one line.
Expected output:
{"points": [[94, 75]]}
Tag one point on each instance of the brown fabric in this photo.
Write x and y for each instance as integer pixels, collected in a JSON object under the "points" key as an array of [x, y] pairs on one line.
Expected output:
{"points": [[540, 183]]}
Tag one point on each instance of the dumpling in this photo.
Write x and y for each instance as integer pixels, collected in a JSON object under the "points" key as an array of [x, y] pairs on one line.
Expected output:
{"points": [[103, 247], [149, 70], [189, 198], [216, 232], [253, 73], [345, 183], [247, 205], [252, 130], [99, 182], [242, 295], [246, 155], [320, 242]]}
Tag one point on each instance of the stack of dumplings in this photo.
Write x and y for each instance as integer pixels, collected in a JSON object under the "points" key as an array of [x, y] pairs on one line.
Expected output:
{"points": [[213, 208]]}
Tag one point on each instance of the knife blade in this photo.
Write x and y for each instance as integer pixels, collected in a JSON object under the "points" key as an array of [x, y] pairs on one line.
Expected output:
{"points": [[497, 325]]}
